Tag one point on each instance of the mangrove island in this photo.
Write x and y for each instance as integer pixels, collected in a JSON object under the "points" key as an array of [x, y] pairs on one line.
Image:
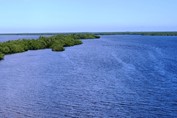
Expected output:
{"points": [[56, 43]]}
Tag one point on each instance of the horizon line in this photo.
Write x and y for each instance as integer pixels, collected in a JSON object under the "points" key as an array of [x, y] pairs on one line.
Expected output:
{"points": [[78, 32]]}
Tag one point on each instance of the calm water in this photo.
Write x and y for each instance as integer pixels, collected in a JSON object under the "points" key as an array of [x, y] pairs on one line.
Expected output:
{"points": [[115, 76]]}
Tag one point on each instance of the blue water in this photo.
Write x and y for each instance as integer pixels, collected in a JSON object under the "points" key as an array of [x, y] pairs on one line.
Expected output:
{"points": [[114, 76]]}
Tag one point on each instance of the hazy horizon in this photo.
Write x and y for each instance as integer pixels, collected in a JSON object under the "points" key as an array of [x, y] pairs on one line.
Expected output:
{"points": [[29, 16]]}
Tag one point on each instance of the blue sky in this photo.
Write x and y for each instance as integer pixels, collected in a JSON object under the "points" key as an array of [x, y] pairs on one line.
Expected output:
{"points": [[87, 15]]}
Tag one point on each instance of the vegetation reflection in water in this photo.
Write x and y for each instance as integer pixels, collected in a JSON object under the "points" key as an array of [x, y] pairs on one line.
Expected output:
{"points": [[56, 43]]}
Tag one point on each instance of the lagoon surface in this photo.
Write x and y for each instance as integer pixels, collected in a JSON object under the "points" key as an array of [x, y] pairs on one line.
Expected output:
{"points": [[114, 76]]}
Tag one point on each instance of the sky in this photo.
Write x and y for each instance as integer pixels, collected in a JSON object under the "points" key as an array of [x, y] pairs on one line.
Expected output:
{"points": [[35, 16]]}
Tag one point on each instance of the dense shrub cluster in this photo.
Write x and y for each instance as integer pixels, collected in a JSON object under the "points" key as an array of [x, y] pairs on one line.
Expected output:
{"points": [[56, 43]]}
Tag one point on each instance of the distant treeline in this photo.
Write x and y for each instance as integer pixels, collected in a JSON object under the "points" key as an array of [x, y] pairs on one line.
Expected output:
{"points": [[138, 33], [103, 33], [56, 43]]}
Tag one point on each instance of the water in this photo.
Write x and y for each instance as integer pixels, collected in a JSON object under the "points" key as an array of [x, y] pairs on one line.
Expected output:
{"points": [[115, 76]]}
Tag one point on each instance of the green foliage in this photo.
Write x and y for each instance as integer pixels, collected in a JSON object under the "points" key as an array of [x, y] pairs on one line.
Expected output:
{"points": [[5, 49], [16, 48], [77, 42], [56, 43], [1, 56], [57, 47]]}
